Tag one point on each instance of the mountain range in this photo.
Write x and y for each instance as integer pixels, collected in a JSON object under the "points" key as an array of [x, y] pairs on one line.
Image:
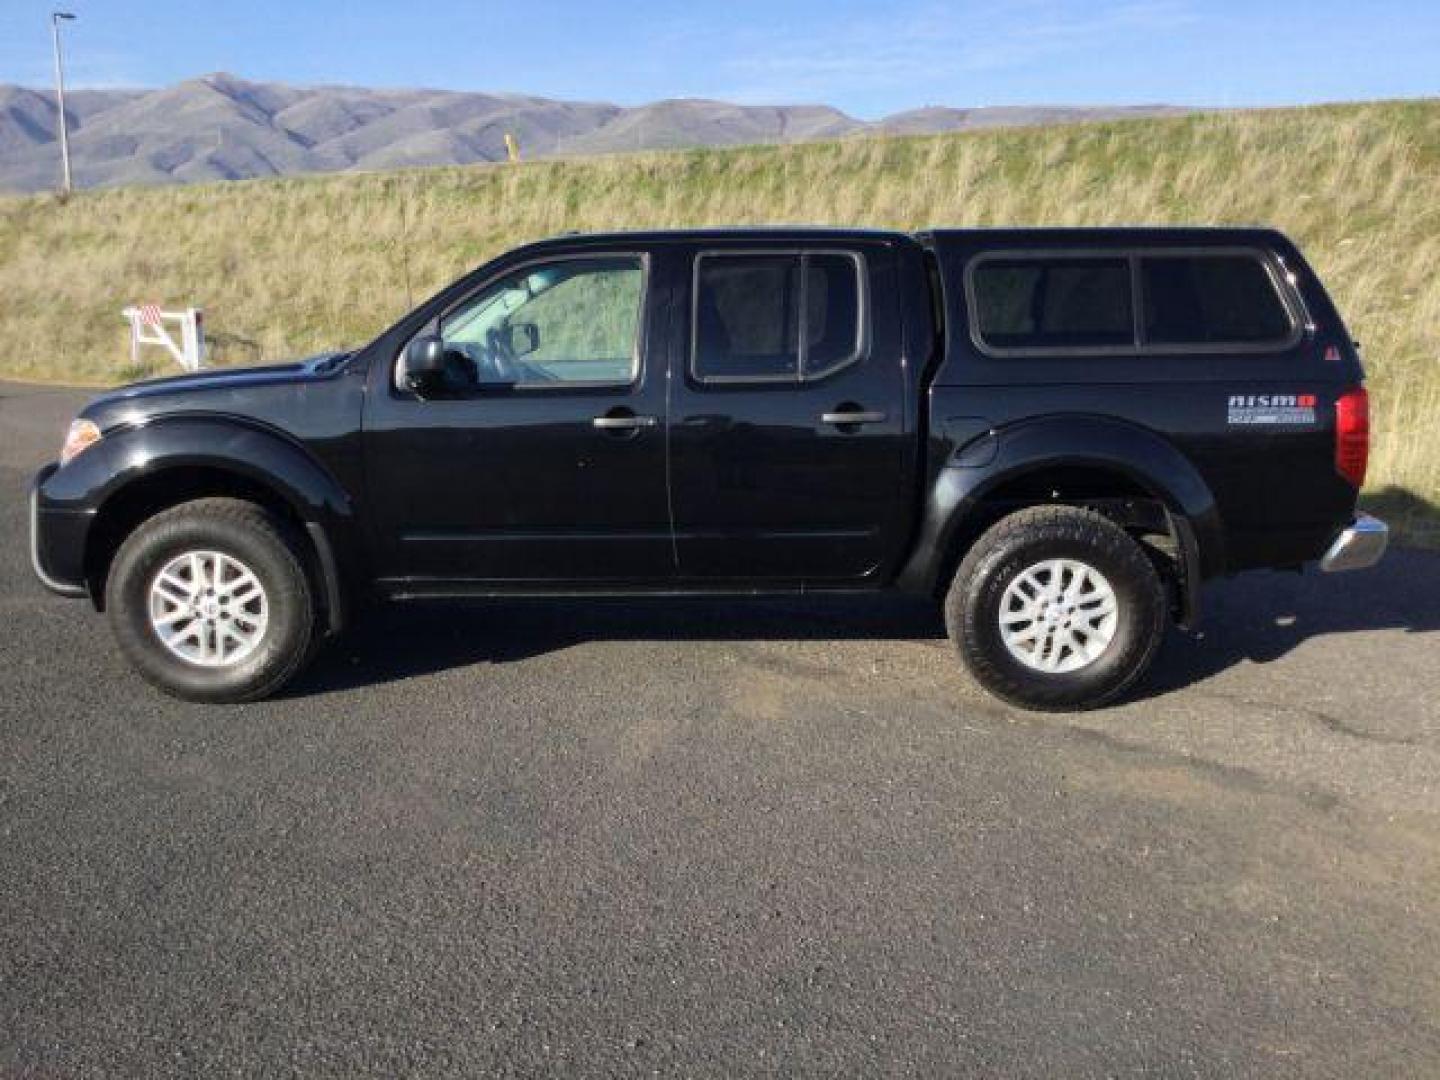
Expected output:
{"points": [[220, 127]]}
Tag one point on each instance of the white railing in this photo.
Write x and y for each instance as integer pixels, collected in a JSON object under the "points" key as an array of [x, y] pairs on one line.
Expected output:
{"points": [[150, 326]]}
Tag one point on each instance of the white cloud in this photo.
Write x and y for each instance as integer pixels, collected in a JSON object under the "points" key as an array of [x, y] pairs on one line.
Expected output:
{"points": [[84, 70], [927, 45]]}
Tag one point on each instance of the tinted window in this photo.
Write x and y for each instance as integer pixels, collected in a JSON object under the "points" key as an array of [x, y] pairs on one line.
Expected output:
{"points": [[1211, 299], [747, 320], [832, 301], [747, 316], [569, 321], [1049, 303]]}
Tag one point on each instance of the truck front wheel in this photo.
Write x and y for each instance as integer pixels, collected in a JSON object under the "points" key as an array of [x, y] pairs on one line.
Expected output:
{"points": [[1056, 608], [211, 602]]}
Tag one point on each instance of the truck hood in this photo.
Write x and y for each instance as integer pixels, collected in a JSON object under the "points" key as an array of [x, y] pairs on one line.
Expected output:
{"points": [[232, 378], [153, 394]]}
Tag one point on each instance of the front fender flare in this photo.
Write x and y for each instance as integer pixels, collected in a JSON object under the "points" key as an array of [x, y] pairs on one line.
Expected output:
{"points": [[234, 445]]}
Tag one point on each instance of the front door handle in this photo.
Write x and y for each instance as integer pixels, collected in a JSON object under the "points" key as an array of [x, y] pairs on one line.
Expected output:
{"points": [[858, 416], [623, 423]]}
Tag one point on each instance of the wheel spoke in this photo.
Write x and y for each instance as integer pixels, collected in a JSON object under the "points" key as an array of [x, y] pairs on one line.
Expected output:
{"points": [[225, 632], [1093, 615], [1021, 637], [1050, 653], [173, 588], [1074, 644], [250, 591]]}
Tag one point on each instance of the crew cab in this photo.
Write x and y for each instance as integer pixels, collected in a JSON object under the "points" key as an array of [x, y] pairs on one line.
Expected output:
{"points": [[1059, 435]]}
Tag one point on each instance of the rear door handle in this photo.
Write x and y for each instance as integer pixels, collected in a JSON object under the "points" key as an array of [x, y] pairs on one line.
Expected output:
{"points": [[622, 423], [857, 417]]}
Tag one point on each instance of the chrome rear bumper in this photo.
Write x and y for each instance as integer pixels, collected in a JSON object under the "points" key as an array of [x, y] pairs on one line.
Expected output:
{"points": [[1358, 547]]}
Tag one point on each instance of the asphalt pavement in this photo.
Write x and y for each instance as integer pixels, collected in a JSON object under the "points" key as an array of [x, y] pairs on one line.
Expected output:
{"points": [[706, 838]]}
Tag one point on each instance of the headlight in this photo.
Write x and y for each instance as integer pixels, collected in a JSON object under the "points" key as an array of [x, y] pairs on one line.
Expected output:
{"points": [[82, 434]]}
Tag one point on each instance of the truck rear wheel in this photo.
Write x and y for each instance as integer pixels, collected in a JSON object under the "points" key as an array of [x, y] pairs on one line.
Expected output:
{"points": [[1056, 608], [211, 602]]}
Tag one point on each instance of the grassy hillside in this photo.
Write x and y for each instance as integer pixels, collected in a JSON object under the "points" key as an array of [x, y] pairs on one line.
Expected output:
{"points": [[286, 266]]}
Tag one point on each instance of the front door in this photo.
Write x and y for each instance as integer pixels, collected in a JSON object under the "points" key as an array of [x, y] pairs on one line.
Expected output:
{"points": [[542, 460], [788, 425]]}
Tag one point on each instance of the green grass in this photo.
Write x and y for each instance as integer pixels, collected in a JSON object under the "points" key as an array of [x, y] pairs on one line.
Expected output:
{"points": [[283, 267]]}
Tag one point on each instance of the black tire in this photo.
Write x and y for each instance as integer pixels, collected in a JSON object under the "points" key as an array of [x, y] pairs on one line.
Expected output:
{"points": [[1025, 540], [267, 546]]}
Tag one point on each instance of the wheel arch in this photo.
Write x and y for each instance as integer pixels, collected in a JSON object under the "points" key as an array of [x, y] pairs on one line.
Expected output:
{"points": [[165, 463], [1136, 476]]}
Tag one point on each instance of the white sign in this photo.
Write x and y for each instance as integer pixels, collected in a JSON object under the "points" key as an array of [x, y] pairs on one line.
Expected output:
{"points": [[151, 326]]}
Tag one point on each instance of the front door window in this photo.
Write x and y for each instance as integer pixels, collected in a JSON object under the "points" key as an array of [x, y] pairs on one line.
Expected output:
{"points": [[573, 322]]}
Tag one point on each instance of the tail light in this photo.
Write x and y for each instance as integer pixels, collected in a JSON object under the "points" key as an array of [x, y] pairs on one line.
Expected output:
{"points": [[1352, 435]]}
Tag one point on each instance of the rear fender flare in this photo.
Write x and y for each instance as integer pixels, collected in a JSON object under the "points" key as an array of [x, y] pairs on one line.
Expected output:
{"points": [[1143, 456]]}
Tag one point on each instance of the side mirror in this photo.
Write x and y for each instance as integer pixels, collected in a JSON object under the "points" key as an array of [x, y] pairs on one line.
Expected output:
{"points": [[425, 365]]}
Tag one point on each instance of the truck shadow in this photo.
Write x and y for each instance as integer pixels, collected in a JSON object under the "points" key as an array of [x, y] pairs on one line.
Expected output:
{"points": [[407, 640], [1260, 617], [1255, 618]]}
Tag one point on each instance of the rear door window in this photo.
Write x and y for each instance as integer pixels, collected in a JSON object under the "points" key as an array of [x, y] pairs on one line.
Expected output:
{"points": [[832, 319], [748, 325], [1059, 303], [1223, 299], [747, 317]]}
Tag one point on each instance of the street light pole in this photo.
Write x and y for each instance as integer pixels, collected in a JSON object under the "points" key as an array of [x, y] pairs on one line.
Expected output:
{"points": [[55, 17]]}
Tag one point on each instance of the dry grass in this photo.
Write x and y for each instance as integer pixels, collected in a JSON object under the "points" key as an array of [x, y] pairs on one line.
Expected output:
{"points": [[284, 267]]}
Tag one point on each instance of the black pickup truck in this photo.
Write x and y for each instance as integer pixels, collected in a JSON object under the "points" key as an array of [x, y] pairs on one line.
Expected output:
{"points": [[1058, 434]]}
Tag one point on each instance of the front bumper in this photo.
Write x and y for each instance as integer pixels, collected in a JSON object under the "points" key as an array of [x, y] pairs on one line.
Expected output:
{"points": [[1360, 546], [48, 531]]}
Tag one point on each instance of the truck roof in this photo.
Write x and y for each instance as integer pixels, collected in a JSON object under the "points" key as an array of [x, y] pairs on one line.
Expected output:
{"points": [[760, 233], [1061, 235], [1110, 234], [938, 238]]}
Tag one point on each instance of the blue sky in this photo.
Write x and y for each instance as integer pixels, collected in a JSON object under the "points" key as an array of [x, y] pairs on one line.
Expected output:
{"points": [[866, 58]]}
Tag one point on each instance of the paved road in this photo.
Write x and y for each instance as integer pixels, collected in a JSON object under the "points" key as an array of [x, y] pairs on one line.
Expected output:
{"points": [[722, 839]]}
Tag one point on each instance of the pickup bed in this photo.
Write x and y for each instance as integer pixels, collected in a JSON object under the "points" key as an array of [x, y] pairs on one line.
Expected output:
{"points": [[1058, 434]]}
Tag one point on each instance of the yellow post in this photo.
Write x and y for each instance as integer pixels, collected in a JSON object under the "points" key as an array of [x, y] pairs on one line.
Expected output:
{"points": [[512, 147]]}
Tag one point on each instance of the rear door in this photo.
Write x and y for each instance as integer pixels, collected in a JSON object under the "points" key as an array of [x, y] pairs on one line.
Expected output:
{"points": [[789, 419]]}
